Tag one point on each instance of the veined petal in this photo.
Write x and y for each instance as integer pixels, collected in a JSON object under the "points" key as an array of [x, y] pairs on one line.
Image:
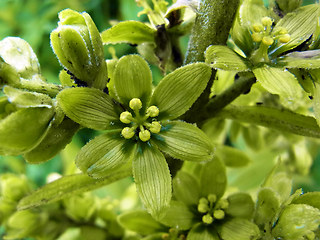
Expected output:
{"points": [[132, 32], [222, 57], [213, 178], [184, 141], [132, 79], [104, 154], [278, 81], [88, 106], [300, 24], [306, 59], [238, 228], [178, 90], [153, 180], [200, 231]]}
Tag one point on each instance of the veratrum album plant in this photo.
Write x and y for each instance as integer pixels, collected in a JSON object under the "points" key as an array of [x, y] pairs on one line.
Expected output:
{"points": [[224, 146]]}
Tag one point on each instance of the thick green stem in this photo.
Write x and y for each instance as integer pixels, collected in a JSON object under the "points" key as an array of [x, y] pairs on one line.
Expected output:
{"points": [[42, 87], [279, 119], [212, 26]]}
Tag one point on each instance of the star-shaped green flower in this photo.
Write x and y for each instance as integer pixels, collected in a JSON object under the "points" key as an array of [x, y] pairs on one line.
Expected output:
{"points": [[269, 48], [140, 124]]}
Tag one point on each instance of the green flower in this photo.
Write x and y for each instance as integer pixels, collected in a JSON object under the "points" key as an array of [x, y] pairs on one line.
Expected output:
{"points": [[266, 47], [141, 126], [200, 207], [158, 40]]}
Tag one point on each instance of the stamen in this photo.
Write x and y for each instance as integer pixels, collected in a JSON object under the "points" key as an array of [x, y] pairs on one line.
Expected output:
{"points": [[135, 104], [126, 117], [267, 41], [218, 214], [207, 219], [267, 21], [155, 127], [127, 132], [144, 135], [152, 111]]}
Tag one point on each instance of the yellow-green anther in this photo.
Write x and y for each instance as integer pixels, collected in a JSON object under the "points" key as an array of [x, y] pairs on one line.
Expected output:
{"points": [[310, 235], [135, 104], [144, 135], [267, 41], [218, 214], [257, 37], [127, 132], [223, 203], [203, 208], [155, 127], [203, 201], [266, 21], [153, 111], [285, 38], [207, 219], [212, 198], [165, 236], [257, 27], [126, 117], [282, 31]]}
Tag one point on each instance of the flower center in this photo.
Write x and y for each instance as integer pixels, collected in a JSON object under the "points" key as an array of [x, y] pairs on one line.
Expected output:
{"points": [[140, 125], [264, 36], [211, 209]]}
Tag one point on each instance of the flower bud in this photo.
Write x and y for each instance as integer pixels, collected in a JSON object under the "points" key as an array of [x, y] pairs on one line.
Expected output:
{"points": [[78, 45], [13, 187], [80, 208]]}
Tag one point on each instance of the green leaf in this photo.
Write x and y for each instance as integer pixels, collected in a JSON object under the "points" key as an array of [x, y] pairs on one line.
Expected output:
{"points": [[89, 107], [57, 137], [300, 24], [184, 141], [278, 81], [18, 53], [104, 154], [24, 99], [179, 216], [186, 188], [311, 198], [267, 206], [202, 232], [222, 57], [132, 79], [178, 90], [316, 103], [153, 180], [232, 157], [252, 11], [297, 221], [141, 222], [279, 119], [306, 59], [132, 32], [240, 205], [213, 179], [237, 229], [68, 186], [8, 74], [22, 130]]}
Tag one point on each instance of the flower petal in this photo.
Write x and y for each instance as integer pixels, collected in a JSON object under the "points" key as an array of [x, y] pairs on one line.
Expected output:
{"points": [[178, 90], [300, 24], [104, 154], [222, 57], [179, 216], [278, 81], [238, 228], [132, 32], [153, 180], [240, 205], [186, 188], [132, 79], [306, 59], [88, 106], [200, 231], [184, 141], [213, 178]]}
